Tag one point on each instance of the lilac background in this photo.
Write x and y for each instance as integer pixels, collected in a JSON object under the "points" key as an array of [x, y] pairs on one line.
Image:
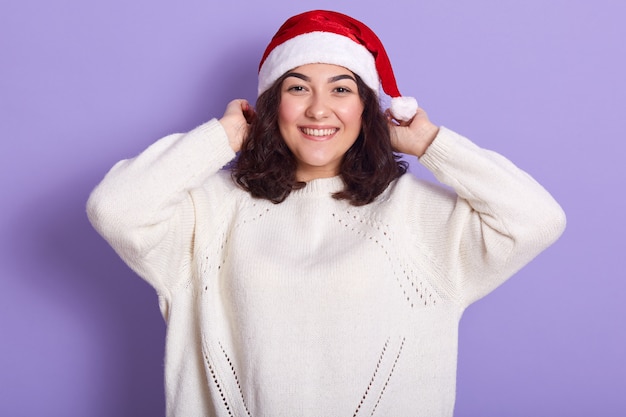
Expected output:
{"points": [[86, 83]]}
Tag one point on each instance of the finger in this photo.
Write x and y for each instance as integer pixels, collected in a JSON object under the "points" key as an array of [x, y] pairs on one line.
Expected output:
{"points": [[233, 107], [390, 119], [248, 112], [405, 123]]}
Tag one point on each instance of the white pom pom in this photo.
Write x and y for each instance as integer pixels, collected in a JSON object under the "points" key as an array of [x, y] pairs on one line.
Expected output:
{"points": [[403, 108]]}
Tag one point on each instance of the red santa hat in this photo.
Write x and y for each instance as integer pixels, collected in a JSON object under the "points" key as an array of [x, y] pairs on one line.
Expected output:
{"points": [[327, 37]]}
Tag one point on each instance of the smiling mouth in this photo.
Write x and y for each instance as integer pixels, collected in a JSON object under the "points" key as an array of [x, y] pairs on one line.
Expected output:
{"points": [[318, 132]]}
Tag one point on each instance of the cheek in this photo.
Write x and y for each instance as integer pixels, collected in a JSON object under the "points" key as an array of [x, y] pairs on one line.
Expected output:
{"points": [[283, 120], [288, 108], [351, 116], [351, 110], [286, 116]]}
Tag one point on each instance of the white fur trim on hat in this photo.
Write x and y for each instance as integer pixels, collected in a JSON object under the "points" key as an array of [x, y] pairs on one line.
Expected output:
{"points": [[403, 108], [318, 48]]}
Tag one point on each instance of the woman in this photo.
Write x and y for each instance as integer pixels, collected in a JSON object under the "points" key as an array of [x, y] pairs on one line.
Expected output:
{"points": [[317, 278]]}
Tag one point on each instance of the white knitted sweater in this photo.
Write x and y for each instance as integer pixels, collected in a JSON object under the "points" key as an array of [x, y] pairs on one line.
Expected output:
{"points": [[314, 307]]}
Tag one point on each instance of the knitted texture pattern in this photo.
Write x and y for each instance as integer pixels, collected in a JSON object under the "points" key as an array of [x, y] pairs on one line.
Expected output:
{"points": [[315, 307]]}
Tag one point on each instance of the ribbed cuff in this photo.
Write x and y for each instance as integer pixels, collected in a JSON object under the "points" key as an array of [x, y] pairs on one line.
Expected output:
{"points": [[439, 150]]}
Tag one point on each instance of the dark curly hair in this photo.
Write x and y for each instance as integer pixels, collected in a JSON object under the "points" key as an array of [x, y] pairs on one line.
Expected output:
{"points": [[266, 168]]}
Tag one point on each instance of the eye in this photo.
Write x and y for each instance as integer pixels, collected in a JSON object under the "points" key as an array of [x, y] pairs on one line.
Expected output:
{"points": [[296, 89], [342, 90]]}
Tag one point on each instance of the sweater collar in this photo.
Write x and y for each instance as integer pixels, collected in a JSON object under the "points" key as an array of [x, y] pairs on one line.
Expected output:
{"points": [[320, 187]]}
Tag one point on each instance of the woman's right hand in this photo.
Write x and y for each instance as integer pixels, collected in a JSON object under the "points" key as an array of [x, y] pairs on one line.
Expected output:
{"points": [[236, 121]]}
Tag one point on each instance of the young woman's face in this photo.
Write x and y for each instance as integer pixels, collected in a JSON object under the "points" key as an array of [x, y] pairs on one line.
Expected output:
{"points": [[319, 117]]}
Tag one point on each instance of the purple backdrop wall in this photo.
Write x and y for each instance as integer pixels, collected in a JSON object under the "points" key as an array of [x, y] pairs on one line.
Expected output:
{"points": [[84, 84]]}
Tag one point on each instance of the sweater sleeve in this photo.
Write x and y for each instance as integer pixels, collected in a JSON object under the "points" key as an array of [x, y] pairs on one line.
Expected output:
{"points": [[500, 219], [143, 207]]}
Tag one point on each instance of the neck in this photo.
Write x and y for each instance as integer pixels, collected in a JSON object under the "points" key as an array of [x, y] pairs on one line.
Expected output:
{"points": [[314, 173]]}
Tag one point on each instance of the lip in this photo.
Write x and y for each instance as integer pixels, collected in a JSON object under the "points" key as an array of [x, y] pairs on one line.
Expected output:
{"points": [[318, 133]]}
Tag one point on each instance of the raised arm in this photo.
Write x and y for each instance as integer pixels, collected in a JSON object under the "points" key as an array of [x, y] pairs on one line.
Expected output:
{"points": [[500, 219], [143, 207]]}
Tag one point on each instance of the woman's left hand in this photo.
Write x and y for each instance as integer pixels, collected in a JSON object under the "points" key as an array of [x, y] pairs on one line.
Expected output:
{"points": [[412, 137]]}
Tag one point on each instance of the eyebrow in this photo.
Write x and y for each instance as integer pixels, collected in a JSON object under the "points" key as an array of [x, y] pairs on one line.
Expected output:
{"points": [[330, 80]]}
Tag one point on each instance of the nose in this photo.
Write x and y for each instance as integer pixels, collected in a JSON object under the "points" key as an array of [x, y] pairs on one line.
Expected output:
{"points": [[318, 107]]}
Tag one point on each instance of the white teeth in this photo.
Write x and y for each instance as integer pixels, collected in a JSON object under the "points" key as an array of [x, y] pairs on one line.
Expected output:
{"points": [[318, 132]]}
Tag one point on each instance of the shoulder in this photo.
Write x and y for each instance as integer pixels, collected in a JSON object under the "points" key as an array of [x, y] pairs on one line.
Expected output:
{"points": [[409, 197], [409, 187], [219, 187]]}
